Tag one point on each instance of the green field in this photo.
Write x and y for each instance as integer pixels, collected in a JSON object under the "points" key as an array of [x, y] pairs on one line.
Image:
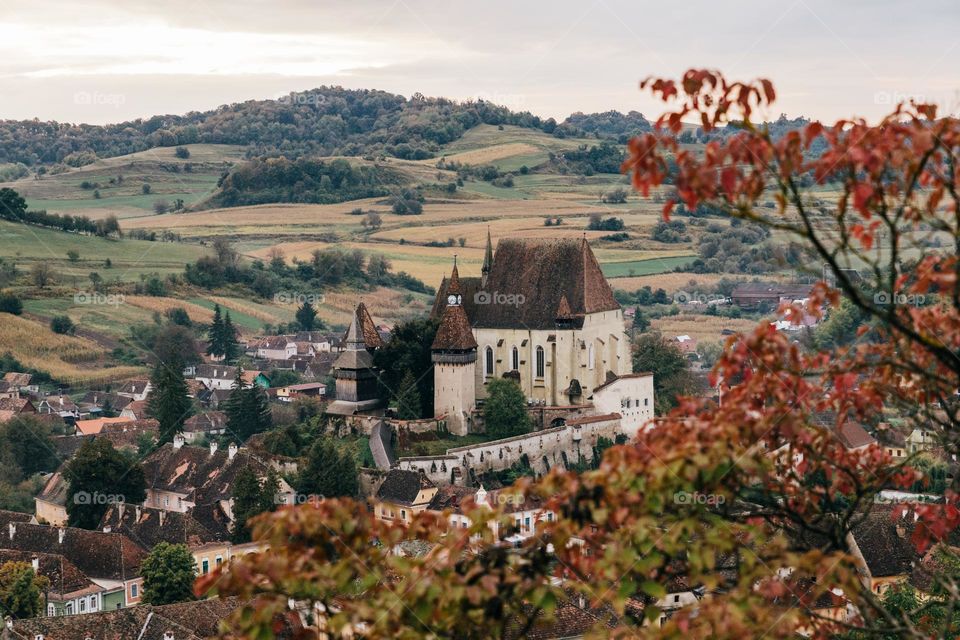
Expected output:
{"points": [[25, 245], [648, 267], [170, 178]]}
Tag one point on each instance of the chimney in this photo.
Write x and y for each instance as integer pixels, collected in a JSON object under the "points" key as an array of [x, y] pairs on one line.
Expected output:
{"points": [[232, 450], [13, 529], [61, 534], [162, 515], [178, 441], [136, 513], [35, 562], [120, 511], [213, 449]]}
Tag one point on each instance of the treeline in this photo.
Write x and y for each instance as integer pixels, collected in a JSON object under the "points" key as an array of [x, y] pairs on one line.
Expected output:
{"points": [[325, 269], [14, 208], [609, 124], [303, 180], [603, 158], [740, 248]]}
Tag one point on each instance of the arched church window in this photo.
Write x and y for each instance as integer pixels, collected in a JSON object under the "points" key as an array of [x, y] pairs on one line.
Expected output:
{"points": [[540, 362], [515, 359], [488, 361]]}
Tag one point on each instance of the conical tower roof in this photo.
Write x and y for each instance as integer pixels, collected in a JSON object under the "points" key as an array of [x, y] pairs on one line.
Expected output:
{"points": [[455, 332]]}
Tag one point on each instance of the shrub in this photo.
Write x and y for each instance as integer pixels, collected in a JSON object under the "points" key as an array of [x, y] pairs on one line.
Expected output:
{"points": [[62, 325]]}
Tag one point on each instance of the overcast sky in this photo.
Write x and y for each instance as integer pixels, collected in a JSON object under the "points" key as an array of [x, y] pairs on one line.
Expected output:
{"points": [[101, 61]]}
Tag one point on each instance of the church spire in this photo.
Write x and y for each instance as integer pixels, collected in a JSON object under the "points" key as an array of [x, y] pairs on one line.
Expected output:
{"points": [[487, 259]]}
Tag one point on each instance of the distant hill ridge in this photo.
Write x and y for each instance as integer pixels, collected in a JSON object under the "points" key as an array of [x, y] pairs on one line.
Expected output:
{"points": [[320, 122]]}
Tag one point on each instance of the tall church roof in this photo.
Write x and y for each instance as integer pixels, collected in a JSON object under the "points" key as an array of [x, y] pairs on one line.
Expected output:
{"points": [[528, 280], [355, 355], [371, 337]]}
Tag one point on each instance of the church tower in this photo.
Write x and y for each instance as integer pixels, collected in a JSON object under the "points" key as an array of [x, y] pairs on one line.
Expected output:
{"points": [[454, 354], [356, 377]]}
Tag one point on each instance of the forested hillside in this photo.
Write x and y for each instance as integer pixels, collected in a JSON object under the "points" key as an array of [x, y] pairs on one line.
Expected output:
{"points": [[324, 121]]}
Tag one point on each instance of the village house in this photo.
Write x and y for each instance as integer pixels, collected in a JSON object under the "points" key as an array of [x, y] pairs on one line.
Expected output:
{"points": [[881, 546], [109, 560], [194, 620], [70, 590], [136, 410], [135, 389], [205, 532], [525, 511], [97, 402], [216, 376], [96, 425], [402, 494], [23, 382], [209, 423], [769, 295], [10, 408], [275, 348], [186, 479], [61, 406], [291, 392], [8, 391]]}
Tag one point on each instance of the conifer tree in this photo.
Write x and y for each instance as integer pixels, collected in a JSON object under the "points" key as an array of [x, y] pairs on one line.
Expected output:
{"points": [[215, 334], [407, 398], [230, 348], [169, 400]]}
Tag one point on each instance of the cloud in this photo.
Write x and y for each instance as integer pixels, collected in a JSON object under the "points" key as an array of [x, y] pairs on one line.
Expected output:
{"points": [[828, 59]]}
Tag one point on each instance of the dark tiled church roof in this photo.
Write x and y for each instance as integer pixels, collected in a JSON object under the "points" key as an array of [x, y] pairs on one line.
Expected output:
{"points": [[537, 273]]}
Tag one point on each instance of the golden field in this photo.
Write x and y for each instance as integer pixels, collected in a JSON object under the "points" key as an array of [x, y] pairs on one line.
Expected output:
{"points": [[702, 328], [162, 305], [70, 359]]}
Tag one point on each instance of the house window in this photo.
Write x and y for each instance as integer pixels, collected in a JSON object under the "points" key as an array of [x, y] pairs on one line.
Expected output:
{"points": [[403, 514], [488, 361], [515, 359], [166, 501], [68, 609], [646, 402], [676, 598], [133, 591], [590, 357], [51, 610], [219, 560], [83, 605], [205, 566], [540, 364]]}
